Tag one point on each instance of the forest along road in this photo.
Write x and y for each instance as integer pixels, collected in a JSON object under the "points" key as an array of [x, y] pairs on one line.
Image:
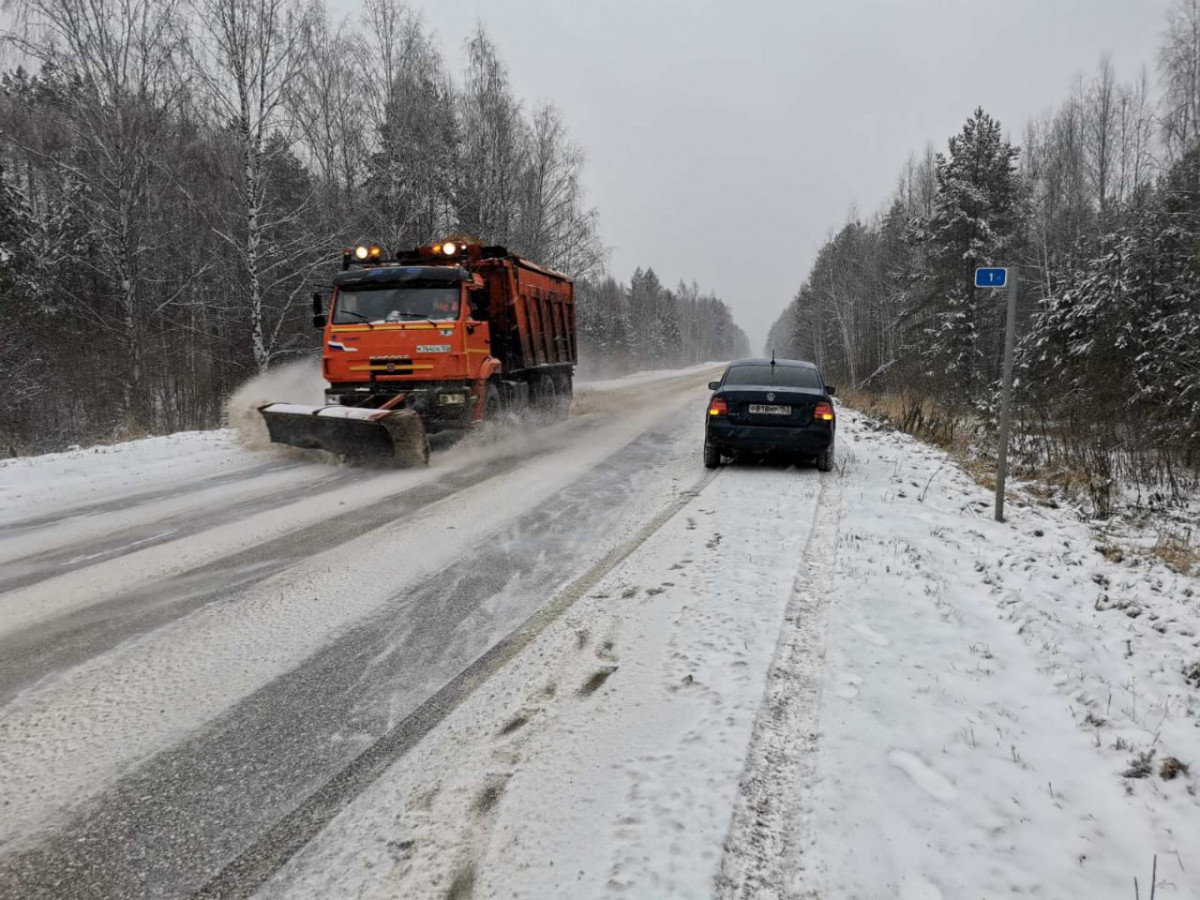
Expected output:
{"points": [[207, 651]]}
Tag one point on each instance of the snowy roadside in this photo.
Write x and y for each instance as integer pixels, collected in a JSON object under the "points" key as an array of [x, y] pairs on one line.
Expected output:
{"points": [[989, 690], [985, 695]]}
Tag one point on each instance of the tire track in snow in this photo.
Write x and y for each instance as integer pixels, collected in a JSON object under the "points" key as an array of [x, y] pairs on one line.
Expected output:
{"points": [[759, 850]]}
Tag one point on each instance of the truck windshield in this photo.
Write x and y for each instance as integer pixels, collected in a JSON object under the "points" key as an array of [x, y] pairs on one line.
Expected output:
{"points": [[397, 304], [773, 376]]}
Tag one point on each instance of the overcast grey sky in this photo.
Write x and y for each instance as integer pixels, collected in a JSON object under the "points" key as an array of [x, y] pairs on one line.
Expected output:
{"points": [[726, 139]]}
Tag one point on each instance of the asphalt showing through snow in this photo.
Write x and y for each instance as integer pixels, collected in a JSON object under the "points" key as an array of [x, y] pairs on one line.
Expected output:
{"points": [[304, 744]]}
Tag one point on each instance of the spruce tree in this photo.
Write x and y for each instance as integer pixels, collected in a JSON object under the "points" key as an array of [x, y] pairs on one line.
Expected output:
{"points": [[973, 223]]}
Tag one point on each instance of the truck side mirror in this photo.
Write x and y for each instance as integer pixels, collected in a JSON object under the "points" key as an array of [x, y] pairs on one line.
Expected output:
{"points": [[713, 385], [830, 389], [318, 318]]}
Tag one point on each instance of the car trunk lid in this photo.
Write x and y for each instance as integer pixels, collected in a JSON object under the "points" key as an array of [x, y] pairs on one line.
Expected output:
{"points": [[748, 404]]}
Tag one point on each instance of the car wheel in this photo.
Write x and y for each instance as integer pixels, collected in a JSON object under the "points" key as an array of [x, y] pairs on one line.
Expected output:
{"points": [[712, 456], [825, 461]]}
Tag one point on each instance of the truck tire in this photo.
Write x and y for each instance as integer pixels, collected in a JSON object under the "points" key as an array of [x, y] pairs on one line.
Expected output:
{"points": [[825, 461], [493, 408], [546, 400], [565, 396]]}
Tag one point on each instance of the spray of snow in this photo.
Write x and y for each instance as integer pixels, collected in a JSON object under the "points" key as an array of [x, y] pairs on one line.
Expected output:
{"points": [[295, 382]]}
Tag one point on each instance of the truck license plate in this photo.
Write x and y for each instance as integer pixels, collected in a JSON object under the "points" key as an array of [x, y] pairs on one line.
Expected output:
{"points": [[762, 409]]}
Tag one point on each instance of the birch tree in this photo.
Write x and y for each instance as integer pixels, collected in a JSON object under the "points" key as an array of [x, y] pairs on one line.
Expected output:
{"points": [[248, 60], [493, 143], [1101, 138], [325, 102], [554, 224], [1179, 65]]}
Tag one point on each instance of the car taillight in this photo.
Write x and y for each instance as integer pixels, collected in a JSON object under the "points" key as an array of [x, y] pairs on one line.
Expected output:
{"points": [[718, 407], [823, 411]]}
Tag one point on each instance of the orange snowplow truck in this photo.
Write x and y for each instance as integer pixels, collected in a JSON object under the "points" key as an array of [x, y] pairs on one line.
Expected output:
{"points": [[444, 338]]}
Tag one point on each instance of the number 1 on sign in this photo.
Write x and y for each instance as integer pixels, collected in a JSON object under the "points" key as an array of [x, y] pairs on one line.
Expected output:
{"points": [[991, 278]]}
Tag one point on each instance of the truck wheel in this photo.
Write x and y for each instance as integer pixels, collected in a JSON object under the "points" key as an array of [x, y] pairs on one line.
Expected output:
{"points": [[563, 409], [825, 461], [712, 456], [546, 401], [492, 408]]}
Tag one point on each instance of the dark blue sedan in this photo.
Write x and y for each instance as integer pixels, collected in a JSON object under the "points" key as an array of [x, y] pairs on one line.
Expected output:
{"points": [[770, 407]]}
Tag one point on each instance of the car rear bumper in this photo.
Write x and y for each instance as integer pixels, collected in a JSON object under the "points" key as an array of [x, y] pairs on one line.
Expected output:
{"points": [[813, 438]]}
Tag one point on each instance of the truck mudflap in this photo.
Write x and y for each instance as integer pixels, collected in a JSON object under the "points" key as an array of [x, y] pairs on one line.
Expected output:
{"points": [[360, 435]]}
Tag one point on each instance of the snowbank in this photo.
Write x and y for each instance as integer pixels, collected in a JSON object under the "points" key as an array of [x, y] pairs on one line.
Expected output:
{"points": [[38, 484]]}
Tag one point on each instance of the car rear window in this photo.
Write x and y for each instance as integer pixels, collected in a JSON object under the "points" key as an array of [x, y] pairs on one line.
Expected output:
{"points": [[775, 376]]}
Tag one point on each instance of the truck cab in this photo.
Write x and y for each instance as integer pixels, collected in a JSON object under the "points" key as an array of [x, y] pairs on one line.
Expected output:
{"points": [[420, 331]]}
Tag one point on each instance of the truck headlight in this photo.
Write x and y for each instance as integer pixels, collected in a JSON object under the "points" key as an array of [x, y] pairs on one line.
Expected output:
{"points": [[452, 399]]}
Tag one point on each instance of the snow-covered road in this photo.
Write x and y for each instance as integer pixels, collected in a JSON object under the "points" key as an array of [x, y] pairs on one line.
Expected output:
{"points": [[575, 664]]}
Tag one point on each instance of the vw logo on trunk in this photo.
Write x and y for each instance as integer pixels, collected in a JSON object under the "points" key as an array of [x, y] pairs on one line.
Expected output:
{"points": [[770, 396]]}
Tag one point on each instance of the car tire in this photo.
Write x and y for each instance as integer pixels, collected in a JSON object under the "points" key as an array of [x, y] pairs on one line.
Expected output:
{"points": [[712, 456], [825, 461]]}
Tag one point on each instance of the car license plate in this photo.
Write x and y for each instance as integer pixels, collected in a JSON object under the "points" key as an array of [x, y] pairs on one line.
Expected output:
{"points": [[762, 409]]}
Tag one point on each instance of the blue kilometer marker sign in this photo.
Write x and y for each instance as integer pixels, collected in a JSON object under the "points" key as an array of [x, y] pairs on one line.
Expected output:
{"points": [[991, 278]]}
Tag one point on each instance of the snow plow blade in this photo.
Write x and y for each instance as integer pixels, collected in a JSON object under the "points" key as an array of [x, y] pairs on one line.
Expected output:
{"points": [[360, 435]]}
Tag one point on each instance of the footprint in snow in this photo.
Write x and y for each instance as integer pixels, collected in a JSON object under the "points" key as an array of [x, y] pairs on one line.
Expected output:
{"points": [[931, 782], [848, 689], [871, 635]]}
